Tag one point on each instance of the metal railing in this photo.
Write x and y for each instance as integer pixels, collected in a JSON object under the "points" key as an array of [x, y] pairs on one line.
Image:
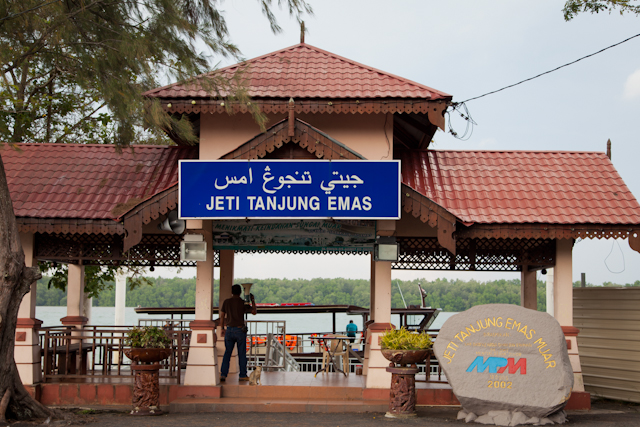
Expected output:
{"points": [[98, 351], [175, 324]]}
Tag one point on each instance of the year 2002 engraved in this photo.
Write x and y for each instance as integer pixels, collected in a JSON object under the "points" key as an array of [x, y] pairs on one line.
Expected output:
{"points": [[499, 384]]}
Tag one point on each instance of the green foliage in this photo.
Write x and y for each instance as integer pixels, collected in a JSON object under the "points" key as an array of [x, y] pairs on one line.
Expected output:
{"points": [[574, 7], [450, 295], [75, 70], [97, 279], [402, 339], [148, 337], [577, 284]]}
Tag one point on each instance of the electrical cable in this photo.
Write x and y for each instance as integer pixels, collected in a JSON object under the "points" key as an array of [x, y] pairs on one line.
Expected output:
{"points": [[550, 71], [387, 137], [465, 115], [610, 252]]}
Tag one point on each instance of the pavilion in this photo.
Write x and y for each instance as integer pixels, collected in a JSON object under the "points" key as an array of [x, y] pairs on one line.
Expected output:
{"points": [[461, 210]]}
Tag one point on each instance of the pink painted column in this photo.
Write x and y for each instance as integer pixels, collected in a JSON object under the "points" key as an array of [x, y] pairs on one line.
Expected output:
{"points": [[563, 305], [27, 345], [202, 366], [75, 297], [377, 376], [372, 304]]}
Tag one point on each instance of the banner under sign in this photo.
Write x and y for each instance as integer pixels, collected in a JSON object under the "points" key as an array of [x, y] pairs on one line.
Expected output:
{"points": [[226, 189], [325, 235]]}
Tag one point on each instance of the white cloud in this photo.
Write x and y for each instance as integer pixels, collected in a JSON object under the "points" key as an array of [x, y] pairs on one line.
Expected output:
{"points": [[632, 85]]}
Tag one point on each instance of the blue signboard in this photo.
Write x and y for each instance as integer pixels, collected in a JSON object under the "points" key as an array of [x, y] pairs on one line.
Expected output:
{"points": [[225, 189]]}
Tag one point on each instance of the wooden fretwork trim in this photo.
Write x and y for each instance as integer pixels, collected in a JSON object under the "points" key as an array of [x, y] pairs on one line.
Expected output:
{"points": [[431, 213], [548, 231], [433, 109], [69, 226], [147, 211]]}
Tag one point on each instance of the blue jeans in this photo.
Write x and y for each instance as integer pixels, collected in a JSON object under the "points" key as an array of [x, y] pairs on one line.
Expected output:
{"points": [[234, 336]]}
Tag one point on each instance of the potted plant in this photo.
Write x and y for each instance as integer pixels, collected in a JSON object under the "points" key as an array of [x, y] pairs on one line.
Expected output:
{"points": [[404, 347], [148, 344]]}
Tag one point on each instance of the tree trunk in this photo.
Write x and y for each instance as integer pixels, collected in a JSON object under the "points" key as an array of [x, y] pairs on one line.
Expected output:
{"points": [[15, 282]]}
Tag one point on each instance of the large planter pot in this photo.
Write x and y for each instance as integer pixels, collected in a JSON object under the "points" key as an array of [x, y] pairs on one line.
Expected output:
{"points": [[147, 355], [405, 357], [402, 395], [146, 389]]}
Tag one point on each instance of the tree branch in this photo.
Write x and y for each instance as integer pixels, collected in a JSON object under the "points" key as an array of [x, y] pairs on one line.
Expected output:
{"points": [[79, 122]]}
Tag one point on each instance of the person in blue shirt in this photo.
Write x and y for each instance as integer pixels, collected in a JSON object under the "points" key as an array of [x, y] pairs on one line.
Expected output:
{"points": [[351, 331]]}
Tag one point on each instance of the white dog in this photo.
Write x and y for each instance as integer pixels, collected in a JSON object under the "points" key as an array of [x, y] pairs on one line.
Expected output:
{"points": [[254, 378]]}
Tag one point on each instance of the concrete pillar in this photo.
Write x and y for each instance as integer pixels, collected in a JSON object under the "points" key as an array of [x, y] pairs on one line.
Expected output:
{"points": [[372, 304], [372, 290], [75, 317], [550, 274], [227, 262], [121, 297], [202, 364], [27, 345], [87, 305], [563, 283], [563, 306], [377, 376], [75, 297], [528, 288]]}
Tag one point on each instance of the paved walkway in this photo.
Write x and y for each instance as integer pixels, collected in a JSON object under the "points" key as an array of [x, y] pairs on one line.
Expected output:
{"points": [[604, 413]]}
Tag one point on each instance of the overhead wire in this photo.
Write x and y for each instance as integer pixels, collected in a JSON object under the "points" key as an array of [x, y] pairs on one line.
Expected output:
{"points": [[456, 106], [551, 71]]}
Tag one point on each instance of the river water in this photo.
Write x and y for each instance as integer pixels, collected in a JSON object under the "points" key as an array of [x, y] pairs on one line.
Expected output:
{"points": [[296, 323]]}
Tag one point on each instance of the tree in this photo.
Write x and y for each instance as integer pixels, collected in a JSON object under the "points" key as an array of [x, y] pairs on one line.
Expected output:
{"points": [[573, 7], [74, 71]]}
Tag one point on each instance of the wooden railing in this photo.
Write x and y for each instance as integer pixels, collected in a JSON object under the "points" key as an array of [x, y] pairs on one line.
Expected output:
{"points": [[98, 352]]}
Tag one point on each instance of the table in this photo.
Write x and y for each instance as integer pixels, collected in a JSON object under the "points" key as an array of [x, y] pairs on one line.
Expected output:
{"points": [[333, 345], [71, 359]]}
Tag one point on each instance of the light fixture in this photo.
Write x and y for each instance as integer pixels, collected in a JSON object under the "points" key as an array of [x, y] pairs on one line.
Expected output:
{"points": [[543, 271], [385, 249], [193, 248]]}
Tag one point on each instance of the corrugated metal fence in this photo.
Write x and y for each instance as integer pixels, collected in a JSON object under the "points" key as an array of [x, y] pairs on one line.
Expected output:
{"points": [[609, 340]]}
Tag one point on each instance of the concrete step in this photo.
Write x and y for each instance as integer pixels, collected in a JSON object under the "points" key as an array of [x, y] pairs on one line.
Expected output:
{"points": [[291, 392], [230, 404]]}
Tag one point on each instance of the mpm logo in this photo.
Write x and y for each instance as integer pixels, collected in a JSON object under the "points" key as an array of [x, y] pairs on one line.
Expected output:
{"points": [[497, 365]]}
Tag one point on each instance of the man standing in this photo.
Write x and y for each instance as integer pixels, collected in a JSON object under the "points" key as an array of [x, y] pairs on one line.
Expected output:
{"points": [[351, 331], [232, 317]]}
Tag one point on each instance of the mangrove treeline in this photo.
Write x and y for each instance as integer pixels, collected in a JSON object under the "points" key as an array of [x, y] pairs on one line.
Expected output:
{"points": [[450, 295]]}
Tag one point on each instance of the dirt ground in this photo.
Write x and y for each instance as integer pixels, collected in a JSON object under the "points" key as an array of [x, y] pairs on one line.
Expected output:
{"points": [[603, 413]]}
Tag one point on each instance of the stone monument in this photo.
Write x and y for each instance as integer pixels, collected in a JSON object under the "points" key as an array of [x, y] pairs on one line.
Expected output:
{"points": [[507, 365]]}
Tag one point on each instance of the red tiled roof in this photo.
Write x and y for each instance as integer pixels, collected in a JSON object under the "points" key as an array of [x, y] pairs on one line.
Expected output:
{"points": [[522, 186], [304, 71], [87, 181]]}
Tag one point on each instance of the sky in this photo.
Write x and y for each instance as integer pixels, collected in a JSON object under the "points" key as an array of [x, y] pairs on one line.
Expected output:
{"points": [[467, 48]]}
